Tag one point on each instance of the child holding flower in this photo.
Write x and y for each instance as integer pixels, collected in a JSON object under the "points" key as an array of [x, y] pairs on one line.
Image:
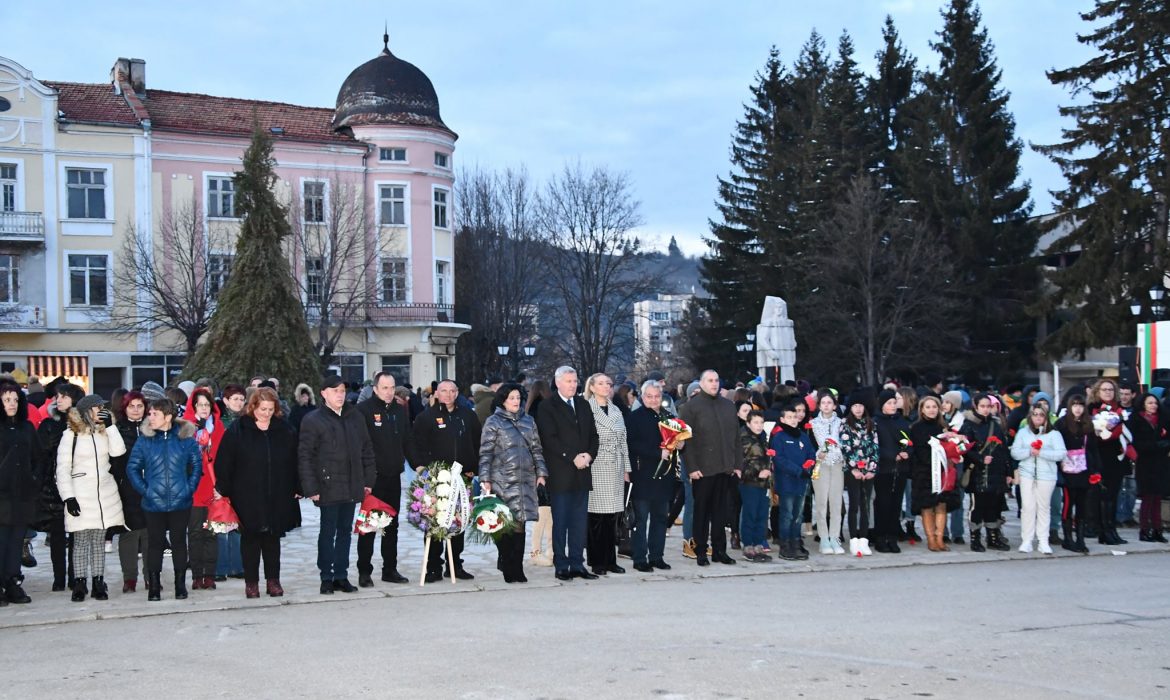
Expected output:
{"points": [[1037, 449]]}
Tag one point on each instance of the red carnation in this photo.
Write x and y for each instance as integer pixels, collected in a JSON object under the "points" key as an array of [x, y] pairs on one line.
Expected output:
{"points": [[809, 464], [1037, 444], [861, 463], [771, 453], [808, 426], [995, 440], [1094, 479]]}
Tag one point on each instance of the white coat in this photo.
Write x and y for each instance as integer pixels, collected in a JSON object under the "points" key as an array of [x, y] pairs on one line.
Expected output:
{"points": [[83, 472]]}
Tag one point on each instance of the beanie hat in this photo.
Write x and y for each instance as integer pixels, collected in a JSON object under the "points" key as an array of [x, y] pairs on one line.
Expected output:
{"points": [[1042, 396], [692, 388], [884, 396], [89, 402], [954, 398], [151, 391], [187, 386]]}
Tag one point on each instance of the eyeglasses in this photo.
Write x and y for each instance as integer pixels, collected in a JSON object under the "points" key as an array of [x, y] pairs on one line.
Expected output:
{"points": [[1107, 388]]}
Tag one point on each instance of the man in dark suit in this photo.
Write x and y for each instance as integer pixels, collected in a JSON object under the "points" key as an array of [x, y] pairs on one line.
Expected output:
{"points": [[568, 437]]}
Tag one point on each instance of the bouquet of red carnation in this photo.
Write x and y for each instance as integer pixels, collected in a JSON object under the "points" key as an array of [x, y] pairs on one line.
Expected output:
{"points": [[992, 441], [955, 446], [374, 516], [674, 432], [221, 517], [1037, 444]]}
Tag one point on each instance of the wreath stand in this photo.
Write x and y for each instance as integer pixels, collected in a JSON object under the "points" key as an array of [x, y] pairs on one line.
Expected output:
{"points": [[422, 579]]}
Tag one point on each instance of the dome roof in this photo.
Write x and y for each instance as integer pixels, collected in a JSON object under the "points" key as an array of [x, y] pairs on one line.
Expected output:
{"points": [[387, 90]]}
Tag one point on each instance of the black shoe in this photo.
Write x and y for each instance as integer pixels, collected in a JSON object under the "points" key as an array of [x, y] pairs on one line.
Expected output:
{"points": [[1158, 536], [153, 586], [181, 585], [977, 541], [600, 570], [1117, 539], [343, 585], [644, 568], [585, 575], [892, 546], [79, 591], [722, 558], [1145, 535], [702, 560], [326, 588], [519, 577], [100, 592], [462, 574], [798, 551], [392, 576], [433, 577], [365, 581], [785, 551], [660, 565], [15, 594], [615, 569], [879, 545], [959, 540], [564, 576], [911, 533], [27, 560], [947, 539], [58, 586]]}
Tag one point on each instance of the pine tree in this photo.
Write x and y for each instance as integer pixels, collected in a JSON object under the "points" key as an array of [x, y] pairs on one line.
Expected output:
{"points": [[888, 93], [672, 249], [259, 323], [976, 200], [1114, 158], [850, 149]]}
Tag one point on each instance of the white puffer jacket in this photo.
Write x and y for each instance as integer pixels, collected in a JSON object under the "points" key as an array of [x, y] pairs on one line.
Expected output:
{"points": [[84, 473]]}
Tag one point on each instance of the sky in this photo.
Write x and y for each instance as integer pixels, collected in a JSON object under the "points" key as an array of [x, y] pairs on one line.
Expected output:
{"points": [[651, 89]]}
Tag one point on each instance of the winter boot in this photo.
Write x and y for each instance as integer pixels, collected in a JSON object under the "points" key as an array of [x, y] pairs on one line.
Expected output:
{"points": [[79, 590], [892, 546], [997, 541], [1158, 536], [977, 539], [154, 585], [1145, 535], [799, 553], [1067, 541], [912, 534], [27, 560], [928, 526], [180, 584], [14, 593], [100, 592], [273, 588], [940, 525], [130, 585]]}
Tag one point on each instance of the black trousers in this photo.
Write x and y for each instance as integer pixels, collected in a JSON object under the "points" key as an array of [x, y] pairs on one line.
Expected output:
{"points": [[1074, 506], [392, 494], [511, 549], [736, 505], [157, 527], [601, 540], [59, 546], [11, 546], [887, 504], [438, 550], [254, 545], [712, 499], [202, 543], [860, 492], [985, 510]]}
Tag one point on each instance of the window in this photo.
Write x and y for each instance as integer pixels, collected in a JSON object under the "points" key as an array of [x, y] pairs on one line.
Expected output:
{"points": [[8, 187], [87, 280], [397, 155], [442, 283], [9, 280], [352, 368], [399, 366], [393, 203], [314, 280], [86, 193], [160, 369], [221, 198], [393, 280], [441, 368], [659, 316], [440, 208], [219, 268], [442, 160], [314, 197]]}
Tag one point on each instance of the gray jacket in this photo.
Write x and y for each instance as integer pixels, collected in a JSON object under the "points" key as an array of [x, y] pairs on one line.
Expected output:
{"points": [[510, 459]]}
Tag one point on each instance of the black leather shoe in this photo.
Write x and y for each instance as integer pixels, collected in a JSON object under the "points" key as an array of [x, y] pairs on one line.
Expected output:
{"points": [[615, 569], [434, 577], [660, 565], [723, 559], [463, 575], [344, 586], [392, 576], [586, 575], [600, 571], [702, 560], [564, 576], [365, 581], [644, 568], [326, 588]]}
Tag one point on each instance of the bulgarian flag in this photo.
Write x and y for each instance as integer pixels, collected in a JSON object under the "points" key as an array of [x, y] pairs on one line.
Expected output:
{"points": [[1153, 341]]}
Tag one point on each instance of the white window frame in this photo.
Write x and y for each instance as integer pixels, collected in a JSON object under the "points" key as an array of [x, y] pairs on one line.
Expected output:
{"points": [[382, 279], [382, 150], [445, 157], [109, 256], [84, 227], [447, 209], [17, 184], [448, 281], [405, 202], [13, 279], [207, 178], [219, 278], [309, 272], [305, 181]]}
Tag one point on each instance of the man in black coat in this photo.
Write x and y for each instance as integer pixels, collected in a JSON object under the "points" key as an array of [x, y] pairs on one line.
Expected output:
{"points": [[336, 461], [389, 427], [650, 496], [712, 456], [447, 432], [568, 437]]}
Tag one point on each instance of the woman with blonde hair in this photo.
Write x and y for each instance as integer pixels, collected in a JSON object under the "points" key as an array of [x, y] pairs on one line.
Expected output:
{"points": [[932, 505], [611, 471]]}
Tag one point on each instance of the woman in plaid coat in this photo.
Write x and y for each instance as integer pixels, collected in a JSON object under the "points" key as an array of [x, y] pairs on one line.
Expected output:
{"points": [[611, 472]]}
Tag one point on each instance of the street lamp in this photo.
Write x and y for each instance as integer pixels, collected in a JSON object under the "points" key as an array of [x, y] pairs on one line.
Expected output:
{"points": [[1135, 308], [529, 350], [503, 351], [1157, 292]]}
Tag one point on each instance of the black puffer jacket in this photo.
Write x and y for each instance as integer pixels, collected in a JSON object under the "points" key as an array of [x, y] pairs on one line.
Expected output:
{"points": [[50, 506], [510, 459], [335, 456], [986, 478], [889, 431], [21, 467], [131, 499]]}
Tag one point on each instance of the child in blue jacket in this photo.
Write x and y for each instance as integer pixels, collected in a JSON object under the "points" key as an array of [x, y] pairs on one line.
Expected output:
{"points": [[795, 455]]}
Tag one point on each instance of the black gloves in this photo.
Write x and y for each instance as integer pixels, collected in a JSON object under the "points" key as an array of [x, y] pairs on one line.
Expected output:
{"points": [[73, 507], [106, 417]]}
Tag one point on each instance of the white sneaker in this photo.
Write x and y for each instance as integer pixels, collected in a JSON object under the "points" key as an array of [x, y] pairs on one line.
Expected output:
{"points": [[826, 548], [1045, 548], [863, 543], [1026, 547], [836, 545], [109, 546], [854, 547]]}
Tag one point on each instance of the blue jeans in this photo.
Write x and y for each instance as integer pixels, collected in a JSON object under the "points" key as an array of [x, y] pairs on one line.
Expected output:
{"points": [[229, 561], [648, 538], [1126, 499], [688, 508], [958, 515], [792, 513], [753, 516], [570, 511], [333, 540]]}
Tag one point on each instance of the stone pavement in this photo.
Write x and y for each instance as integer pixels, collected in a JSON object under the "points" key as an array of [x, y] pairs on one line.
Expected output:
{"points": [[300, 580]]}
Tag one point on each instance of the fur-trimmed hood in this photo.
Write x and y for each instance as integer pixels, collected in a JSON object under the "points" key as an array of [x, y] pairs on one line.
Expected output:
{"points": [[186, 429], [307, 389], [80, 426]]}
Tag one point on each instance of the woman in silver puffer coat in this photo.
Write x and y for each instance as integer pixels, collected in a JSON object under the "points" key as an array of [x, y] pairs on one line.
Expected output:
{"points": [[511, 465]]}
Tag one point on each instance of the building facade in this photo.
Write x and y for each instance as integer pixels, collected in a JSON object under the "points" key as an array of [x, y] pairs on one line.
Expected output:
{"points": [[657, 324], [368, 186]]}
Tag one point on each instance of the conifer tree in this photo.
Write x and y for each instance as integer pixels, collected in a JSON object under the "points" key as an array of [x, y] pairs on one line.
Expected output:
{"points": [[888, 93], [1114, 206], [259, 323]]}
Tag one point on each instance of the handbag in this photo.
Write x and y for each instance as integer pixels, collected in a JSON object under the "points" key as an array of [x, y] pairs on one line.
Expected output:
{"points": [[1075, 461]]}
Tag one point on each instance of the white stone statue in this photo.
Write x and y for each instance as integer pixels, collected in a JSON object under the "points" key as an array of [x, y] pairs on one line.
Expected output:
{"points": [[776, 339]]}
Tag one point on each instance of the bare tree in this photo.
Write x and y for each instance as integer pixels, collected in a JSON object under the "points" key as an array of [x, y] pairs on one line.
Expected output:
{"points": [[594, 264], [336, 251], [496, 245], [881, 280], [169, 282]]}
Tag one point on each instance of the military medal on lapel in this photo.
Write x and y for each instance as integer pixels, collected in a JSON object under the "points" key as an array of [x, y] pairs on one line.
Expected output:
{"points": [[439, 422], [378, 420]]}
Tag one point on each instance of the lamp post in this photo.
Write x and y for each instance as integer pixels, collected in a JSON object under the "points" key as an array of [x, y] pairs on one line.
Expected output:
{"points": [[503, 352]]}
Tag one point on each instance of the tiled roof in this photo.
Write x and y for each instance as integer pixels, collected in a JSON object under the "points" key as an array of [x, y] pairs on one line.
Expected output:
{"points": [[92, 102]]}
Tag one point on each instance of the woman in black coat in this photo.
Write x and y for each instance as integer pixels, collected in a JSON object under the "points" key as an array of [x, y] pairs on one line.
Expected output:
{"points": [[988, 472], [893, 463], [256, 467], [21, 470], [1153, 455], [131, 541], [933, 507]]}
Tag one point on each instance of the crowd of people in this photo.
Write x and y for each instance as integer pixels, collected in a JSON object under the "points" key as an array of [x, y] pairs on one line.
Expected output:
{"points": [[588, 464]]}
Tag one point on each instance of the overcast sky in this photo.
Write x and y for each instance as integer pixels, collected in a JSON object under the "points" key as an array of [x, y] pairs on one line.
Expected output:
{"points": [[650, 88]]}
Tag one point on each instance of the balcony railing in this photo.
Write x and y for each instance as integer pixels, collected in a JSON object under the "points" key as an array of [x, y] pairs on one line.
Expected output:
{"points": [[378, 314], [22, 226], [14, 317]]}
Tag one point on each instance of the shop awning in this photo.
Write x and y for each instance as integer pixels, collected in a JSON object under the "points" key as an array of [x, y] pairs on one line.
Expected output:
{"points": [[50, 366]]}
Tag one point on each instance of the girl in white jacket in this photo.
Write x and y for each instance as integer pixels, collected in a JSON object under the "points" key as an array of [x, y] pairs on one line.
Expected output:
{"points": [[1038, 450], [90, 494], [829, 477]]}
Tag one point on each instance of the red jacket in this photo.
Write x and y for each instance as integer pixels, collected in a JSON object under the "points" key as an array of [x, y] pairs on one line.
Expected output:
{"points": [[208, 446]]}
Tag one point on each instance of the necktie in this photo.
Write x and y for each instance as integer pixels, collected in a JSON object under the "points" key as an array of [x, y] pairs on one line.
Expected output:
{"points": [[572, 409]]}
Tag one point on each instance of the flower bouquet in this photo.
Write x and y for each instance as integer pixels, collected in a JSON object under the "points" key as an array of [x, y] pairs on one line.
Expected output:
{"points": [[491, 519], [439, 507], [221, 517], [674, 432], [992, 442], [1105, 423], [374, 516]]}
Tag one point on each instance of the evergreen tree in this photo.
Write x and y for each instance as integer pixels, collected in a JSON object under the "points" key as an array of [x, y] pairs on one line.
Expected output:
{"points": [[888, 93], [975, 200], [1114, 206], [259, 323], [851, 145], [672, 249]]}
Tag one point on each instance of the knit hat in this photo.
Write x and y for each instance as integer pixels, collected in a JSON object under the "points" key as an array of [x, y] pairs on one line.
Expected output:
{"points": [[861, 395], [1042, 396], [187, 386], [151, 391], [35, 387], [884, 396], [692, 388], [954, 398], [88, 402]]}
